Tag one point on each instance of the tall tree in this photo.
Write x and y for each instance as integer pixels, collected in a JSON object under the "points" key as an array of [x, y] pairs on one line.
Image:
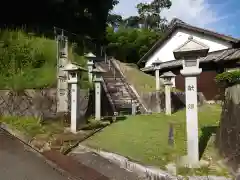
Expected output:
{"points": [[149, 13]]}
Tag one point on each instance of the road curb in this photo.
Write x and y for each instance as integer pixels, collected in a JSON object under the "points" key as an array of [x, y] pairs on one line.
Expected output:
{"points": [[55, 163], [26, 140], [151, 173]]}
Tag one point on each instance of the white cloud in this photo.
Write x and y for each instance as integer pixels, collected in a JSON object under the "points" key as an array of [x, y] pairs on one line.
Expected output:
{"points": [[195, 12]]}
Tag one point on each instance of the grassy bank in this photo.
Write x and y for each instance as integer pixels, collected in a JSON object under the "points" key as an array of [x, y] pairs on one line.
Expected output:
{"points": [[29, 61], [144, 138]]}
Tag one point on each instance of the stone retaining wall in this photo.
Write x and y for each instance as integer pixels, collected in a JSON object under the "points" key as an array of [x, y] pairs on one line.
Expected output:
{"points": [[155, 101]]}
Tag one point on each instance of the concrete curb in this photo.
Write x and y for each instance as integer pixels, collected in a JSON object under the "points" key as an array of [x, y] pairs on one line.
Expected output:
{"points": [[26, 140], [151, 173]]}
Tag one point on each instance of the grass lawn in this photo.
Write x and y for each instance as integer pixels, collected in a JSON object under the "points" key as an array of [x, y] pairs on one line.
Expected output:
{"points": [[144, 138], [131, 72]]}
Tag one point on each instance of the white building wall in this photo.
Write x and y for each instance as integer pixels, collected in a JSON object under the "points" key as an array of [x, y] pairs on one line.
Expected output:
{"points": [[165, 53]]}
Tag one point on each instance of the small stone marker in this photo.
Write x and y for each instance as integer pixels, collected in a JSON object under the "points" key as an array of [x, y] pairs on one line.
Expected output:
{"points": [[190, 51], [171, 135]]}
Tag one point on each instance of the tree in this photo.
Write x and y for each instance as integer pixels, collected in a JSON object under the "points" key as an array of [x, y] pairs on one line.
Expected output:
{"points": [[114, 20], [87, 18], [149, 13], [129, 44], [132, 21]]}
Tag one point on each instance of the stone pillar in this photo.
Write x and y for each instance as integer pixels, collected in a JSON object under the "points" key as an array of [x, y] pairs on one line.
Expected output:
{"points": [[167, 76], [192, 119], [97, 80], [157, 79], [74, 73], [190, 52], [97, 99], [90, 68], [90, 56], [74, 108], [134, 108], [168, 106], [62, 86]]}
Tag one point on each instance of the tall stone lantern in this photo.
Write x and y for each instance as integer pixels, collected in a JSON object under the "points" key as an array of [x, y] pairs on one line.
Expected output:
{"points": [[97, 80], [167, 77], [90, 57], [74, 74], [189, 53], [156, 65]]}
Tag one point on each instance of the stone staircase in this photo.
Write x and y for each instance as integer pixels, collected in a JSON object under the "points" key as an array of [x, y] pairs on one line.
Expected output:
{"points": [[121, 94]]}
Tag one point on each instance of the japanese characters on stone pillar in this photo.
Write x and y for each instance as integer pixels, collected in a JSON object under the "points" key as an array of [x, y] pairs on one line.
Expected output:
{"points": [[167, 77], [190, 52], [74, 73], [156, 65], [97, 80], [90, 56], [62, 86]]}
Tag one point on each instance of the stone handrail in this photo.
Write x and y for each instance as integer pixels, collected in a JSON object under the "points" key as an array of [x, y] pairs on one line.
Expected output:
{"points": [[127, 85], [108, 96]]}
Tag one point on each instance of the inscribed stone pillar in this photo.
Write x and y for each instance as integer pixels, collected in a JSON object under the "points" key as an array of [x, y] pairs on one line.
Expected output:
{"points": [[189, 52], [62, 86], [192, 118], [97, 100], [98, 80], [74, 107]]}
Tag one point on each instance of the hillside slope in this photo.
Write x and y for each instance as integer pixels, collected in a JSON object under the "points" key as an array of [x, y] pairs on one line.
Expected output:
{"points": [[28, 61]]}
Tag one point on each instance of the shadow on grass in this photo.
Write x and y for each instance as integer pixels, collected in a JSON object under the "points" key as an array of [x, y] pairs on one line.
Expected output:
{"points": [[207, 132]]}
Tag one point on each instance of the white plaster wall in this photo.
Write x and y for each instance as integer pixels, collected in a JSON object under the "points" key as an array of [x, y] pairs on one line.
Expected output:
{"points": [[165, 53]]}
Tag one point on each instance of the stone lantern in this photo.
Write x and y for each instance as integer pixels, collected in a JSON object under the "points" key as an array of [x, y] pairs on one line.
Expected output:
{"points": [[156, 65], [97, 80], [74, 74], [189, 53], [90, 56], [167, 77]]}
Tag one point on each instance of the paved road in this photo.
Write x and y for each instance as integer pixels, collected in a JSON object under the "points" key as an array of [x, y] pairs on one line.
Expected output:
{"points": [[18, 162]]}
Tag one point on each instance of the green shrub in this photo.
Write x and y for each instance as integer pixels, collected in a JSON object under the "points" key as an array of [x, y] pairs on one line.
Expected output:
{"points": [[228, 78], [27, 61]]}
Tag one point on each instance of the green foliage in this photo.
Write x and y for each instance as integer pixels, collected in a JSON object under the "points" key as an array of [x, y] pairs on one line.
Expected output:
{"points": [[32, 127], [228, 78], [27, 61], [129, 44]]}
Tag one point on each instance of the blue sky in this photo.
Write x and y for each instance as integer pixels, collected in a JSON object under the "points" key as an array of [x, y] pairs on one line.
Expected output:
{"points": [[222, 16]]}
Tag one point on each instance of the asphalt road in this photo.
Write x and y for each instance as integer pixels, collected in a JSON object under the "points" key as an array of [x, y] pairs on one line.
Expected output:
{"points": [[19, 162]]}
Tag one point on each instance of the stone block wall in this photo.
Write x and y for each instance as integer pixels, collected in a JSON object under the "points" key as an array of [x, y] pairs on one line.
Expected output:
{"points": [[41, 104], [155, 101]]}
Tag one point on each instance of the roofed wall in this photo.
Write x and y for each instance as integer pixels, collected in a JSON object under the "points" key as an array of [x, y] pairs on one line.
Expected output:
{"points": [[180, 36]]}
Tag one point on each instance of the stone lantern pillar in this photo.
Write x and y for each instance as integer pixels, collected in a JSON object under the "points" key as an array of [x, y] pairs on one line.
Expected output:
{"points": [[74, 73], [62, 85], [167, 77], [97, 80], [90, 56], [189, 52], [156, 65]]}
